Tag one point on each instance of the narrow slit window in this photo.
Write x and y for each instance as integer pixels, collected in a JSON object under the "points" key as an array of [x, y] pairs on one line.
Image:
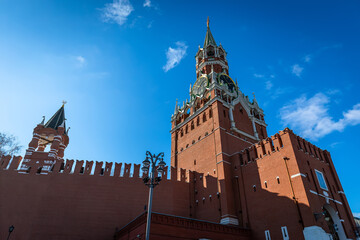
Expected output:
{"points": [[285, 233], [267, 235]]}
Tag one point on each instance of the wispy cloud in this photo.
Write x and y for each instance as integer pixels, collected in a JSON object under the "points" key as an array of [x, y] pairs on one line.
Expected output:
{"points": [[117, 11], [150, 24], [308, 58], [147, 3], [175, 55], [80, 59], [356, 215], [268, 85], [310, 116], [297, 70], [259, 75]]}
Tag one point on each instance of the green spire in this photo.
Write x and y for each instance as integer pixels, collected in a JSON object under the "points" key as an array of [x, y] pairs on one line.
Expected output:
{"points": [[57, 120], [209, 39]]}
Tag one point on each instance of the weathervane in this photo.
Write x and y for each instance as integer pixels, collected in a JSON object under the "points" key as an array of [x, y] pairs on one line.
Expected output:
{"points": [[64, 102], [208, 21]]}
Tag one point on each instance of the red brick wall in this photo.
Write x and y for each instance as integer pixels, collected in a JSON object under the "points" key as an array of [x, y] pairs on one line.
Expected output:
{"points": [[75, 206]]}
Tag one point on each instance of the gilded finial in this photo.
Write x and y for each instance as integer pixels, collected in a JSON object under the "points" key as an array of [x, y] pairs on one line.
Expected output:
{"points": [[207, 22], [64, 102]]}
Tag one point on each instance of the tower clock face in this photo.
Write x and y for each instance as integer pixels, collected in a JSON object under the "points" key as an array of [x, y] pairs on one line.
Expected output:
{"points": [[227, 80], [200, 85]]}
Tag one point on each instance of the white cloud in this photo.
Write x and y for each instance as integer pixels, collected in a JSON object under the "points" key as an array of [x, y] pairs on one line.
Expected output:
{"points": [[174, 55], [150, 24], [307, 58], [268, 85], [259, 75], [356, 215], [147, 3], [117, 12], [297, 70], [80, 59], [311, 117]]}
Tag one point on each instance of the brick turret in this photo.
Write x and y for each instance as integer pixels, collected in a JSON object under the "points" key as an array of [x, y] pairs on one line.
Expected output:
{"points": [[52, 134]]}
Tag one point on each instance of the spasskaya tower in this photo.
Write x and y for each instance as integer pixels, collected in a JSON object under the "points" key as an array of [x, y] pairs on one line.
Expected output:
{"points": [[216, 120]]}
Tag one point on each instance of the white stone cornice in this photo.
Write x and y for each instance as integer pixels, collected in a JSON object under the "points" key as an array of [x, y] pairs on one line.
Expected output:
{"points": [[298, 174], [210, 62]]}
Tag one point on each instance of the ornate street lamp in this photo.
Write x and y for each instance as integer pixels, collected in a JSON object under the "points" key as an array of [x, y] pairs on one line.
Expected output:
{"points": [[11, 229], [151, 181]]}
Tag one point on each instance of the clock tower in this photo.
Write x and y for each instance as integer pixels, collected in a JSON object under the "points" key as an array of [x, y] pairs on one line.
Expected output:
{"points": [[212, 127]]}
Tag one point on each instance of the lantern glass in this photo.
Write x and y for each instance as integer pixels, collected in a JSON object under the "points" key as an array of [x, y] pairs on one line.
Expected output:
{"points": [[160, 170], [162, 163], [146, 162], [145, 169]]}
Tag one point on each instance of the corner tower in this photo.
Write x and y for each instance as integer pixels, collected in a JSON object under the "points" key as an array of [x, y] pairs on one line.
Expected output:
{"points": [[217, 121], [53, 134]]}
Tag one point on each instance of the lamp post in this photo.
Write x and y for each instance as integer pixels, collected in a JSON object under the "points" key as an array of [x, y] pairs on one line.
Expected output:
{"points": [[11, 229], [149, 165]]}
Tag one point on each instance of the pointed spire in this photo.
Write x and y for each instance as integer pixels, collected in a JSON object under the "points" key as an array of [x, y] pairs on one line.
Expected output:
{"points": [[176, 107], [57, 120], [255, 101], [43, 121], [209, 39]]}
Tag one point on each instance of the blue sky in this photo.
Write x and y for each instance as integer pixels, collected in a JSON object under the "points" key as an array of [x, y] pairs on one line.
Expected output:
{"points": [[121, 65]]}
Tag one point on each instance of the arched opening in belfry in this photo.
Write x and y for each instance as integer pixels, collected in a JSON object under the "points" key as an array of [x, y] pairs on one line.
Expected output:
{"points": [[210, 51]]}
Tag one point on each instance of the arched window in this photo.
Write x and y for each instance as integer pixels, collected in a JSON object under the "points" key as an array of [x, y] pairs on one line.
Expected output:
{"points": [[204, 117], [210, 113], [222, 54], [192, 125]]}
